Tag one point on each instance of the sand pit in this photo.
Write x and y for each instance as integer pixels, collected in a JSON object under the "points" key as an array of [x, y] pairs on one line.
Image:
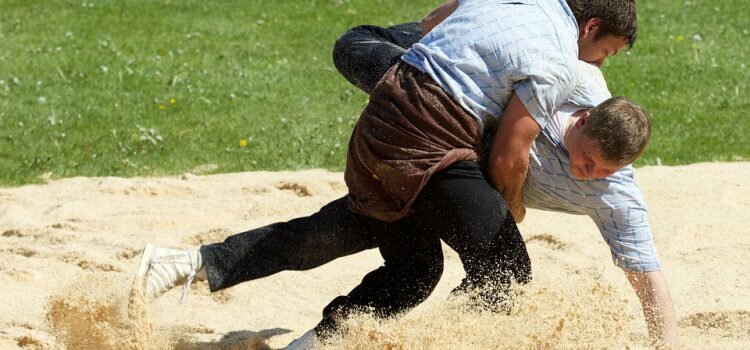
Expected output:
{"points": [[70, 249]]}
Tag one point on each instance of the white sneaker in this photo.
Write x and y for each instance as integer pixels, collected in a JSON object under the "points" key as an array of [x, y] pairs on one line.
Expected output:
{"points": [[162, 269], [307, 341]]}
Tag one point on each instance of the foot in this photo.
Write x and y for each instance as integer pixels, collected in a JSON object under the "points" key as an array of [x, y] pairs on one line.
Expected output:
{"points": [[307, 341], [162, 269]]}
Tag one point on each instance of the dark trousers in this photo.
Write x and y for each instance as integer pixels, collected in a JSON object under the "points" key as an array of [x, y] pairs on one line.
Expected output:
{"points": [[364, 53], [296, 245], [458, 206]]}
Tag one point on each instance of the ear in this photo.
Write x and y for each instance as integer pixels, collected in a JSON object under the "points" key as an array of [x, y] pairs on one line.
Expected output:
{"points": [[582, 119], [589, 28]]}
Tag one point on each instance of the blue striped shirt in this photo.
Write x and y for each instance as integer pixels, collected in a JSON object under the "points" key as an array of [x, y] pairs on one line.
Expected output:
{"points": [[615, 204], [487, 49]]}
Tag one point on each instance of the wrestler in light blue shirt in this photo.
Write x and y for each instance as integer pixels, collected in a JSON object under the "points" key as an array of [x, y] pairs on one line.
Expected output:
{"points": [[486, 50], [615, 204]]}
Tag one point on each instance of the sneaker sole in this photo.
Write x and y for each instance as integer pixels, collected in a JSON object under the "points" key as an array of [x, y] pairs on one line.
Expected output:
{"points": [[143, 266]]}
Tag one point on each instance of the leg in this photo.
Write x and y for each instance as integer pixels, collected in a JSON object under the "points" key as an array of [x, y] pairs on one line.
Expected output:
{"points": [[460, 207], [363, 54], [299, 244], [412, 268], [473, 219]]}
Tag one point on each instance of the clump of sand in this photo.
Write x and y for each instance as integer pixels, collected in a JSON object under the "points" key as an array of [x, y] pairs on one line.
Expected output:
{"points": [[91, 315], [543, 318], [97, 313]]}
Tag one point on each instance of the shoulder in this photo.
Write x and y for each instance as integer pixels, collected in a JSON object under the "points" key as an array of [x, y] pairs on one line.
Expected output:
{"points": [[544, 84], [552, 69]]}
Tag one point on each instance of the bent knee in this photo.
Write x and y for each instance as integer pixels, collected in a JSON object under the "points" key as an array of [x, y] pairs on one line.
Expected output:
{"points": [[346, 41], [426, 273]]}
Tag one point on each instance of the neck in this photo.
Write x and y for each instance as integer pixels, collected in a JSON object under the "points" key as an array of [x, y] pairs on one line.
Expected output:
{"points": [[568, 133]]}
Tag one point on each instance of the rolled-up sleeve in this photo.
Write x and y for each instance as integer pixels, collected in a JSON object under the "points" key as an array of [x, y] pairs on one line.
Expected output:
{"points": [[628, 234], [623, 223], [546, 87]]}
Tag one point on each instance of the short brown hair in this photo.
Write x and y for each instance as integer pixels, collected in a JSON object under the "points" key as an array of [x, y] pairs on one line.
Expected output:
{"points": [[622, 129], [618, 17]]}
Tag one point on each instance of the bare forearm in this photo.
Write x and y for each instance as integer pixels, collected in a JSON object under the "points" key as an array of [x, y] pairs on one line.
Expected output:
{"points": [[508, 163], [658, 309], [508, 177]]}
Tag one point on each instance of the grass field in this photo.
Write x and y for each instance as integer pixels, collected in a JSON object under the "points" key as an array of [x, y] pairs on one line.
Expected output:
{"points": [[140, 87]]}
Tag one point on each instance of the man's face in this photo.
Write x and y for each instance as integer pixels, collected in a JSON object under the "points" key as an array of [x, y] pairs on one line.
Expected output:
{"points": [[586, 161], [596, 51]]}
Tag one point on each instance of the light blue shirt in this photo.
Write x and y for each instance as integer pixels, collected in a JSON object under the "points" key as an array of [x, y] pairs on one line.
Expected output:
{"points": [[616, 204], [487, 49]]}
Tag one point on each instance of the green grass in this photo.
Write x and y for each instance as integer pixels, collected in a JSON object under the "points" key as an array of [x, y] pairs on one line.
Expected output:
{"points": [[137, 87], [690, 69]]}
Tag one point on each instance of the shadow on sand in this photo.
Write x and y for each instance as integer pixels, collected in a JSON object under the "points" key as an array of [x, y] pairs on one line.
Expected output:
{"points": [[235, 340]]}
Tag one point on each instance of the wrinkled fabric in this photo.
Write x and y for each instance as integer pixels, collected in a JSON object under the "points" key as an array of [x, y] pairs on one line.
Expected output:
{"points": [[409, 130], [486, 51], [591, 88]]}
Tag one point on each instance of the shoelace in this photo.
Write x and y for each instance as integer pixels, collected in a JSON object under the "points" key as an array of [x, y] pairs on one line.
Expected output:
{"points": [[189, 280]]}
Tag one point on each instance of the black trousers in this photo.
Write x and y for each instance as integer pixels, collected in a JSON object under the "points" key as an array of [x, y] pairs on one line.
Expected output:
{"points": [[458, 206], [364, 53]]}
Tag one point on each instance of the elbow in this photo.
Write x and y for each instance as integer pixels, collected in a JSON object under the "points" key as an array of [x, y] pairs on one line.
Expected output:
{"points": [[502, 170], [428, 23], [438, 15]]}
